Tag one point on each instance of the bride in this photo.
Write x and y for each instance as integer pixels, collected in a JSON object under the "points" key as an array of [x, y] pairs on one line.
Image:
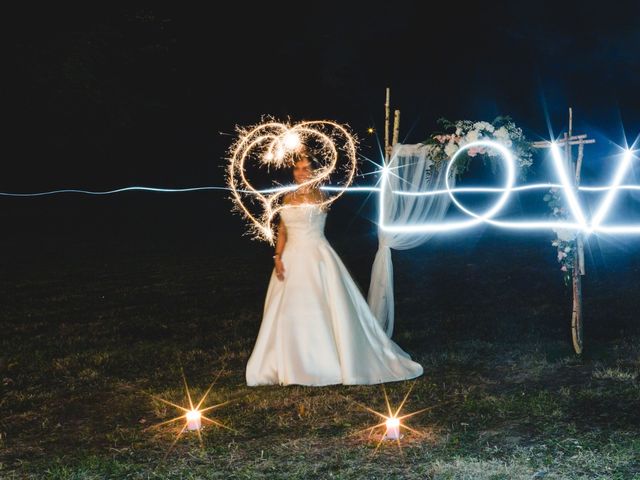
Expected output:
{"points": [[317, 328]]}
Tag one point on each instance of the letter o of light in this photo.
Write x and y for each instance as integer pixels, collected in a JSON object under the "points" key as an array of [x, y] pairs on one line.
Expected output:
{"points": [[511, 177]]}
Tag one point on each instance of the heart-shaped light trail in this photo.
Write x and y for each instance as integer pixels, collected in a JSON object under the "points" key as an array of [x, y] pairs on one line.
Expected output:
{"points": [[273, 144]]}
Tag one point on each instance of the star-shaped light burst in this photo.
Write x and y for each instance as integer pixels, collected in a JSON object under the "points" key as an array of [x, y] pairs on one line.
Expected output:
{"points": [[193, 415], [391, 427]]}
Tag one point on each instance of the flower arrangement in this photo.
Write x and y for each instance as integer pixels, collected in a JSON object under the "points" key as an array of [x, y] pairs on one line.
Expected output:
{"points": [[566, 239], [442, 146]]}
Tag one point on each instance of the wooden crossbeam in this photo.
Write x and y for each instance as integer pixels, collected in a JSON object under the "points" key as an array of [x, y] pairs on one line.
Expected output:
{"points": [[574, 140]]}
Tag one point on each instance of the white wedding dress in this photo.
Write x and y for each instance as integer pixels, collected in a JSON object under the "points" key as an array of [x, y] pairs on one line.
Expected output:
{"points": [[317, 328]]}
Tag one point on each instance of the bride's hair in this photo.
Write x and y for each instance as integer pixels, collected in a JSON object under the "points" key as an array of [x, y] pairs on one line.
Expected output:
{"points": [[303, 153]]}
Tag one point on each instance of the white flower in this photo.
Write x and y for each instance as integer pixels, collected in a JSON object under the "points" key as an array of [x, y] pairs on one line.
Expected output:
{"points": [[502, 136], [501, 133], [450, 149], [484, 126], [472, 136]]}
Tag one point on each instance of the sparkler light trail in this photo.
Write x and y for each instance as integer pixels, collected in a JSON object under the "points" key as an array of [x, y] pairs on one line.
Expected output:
{"points": [[605, 206], [111, 192], [274, 144], [579, 223], [327, 188], [278, 142], [511, 177], [568, 189]]}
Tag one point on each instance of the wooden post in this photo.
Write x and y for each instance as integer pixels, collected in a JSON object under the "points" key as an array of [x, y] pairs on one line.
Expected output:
{"points": [[386, 125], [578, 266], [396, 127], [580, 237], [578, 263]]}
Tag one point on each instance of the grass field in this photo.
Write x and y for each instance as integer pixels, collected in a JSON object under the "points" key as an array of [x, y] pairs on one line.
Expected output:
{"points": [[97, 322]]}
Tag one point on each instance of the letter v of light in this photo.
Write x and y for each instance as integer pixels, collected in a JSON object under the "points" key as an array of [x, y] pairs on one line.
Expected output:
{"points": [[607, 201], [568, 186]]}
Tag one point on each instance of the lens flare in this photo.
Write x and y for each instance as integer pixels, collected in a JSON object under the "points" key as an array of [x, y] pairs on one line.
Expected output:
{"points": [[390, 427], [193, 414]]}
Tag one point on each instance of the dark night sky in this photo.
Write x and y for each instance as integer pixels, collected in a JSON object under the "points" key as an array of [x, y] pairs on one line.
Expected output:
{"points": [[105, 97]]}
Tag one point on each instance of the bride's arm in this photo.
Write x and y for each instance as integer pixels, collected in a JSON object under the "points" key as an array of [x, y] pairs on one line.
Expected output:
{"points": [[280, 243]]}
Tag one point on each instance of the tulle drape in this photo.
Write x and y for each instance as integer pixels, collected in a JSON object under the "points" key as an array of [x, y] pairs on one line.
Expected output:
{"points": [[408, 172]]}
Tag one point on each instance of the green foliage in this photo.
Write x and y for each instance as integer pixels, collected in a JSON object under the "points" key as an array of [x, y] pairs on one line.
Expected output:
{"points": [[565, 242], [86, 342]]}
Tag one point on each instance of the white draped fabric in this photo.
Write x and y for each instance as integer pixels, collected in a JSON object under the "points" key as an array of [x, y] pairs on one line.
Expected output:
{"points": [[408, 172]]}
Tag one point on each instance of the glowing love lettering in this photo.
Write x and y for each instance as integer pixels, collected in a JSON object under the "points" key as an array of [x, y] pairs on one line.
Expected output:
{"points": [[579, 221]]}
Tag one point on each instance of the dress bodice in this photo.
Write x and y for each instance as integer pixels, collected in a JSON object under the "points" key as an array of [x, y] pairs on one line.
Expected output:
{"points": [[304, 221]]}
